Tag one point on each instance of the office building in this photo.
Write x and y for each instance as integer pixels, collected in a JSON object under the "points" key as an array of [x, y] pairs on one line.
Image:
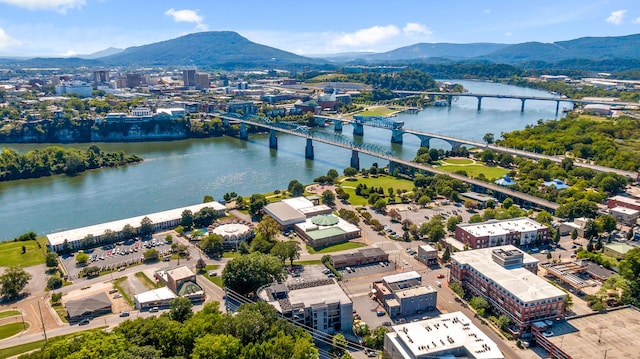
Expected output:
{"points": [[521, 231], [403, 294]]}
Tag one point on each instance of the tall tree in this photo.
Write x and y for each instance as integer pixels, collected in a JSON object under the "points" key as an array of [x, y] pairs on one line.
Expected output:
{"points": [[13, 281], [146, 226], [328, 198], [295, 188], [267, 228], [186, 219], [247, 273], [181, 309]]}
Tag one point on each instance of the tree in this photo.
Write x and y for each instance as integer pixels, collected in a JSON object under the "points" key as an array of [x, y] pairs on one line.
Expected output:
{"points": [[181, 309], [479, 304], [151, 255], [146, 226], [247, 273], [51, 259], [204, 217], [109, 236], [452, 223], [503, 321], [350, 171], [13, 281], [507, 203], [328, 198], [295, 188], [82, 258], [221, 346], [607, 223], [54, 282], [339, 344], [556, 236], [207, 199], [128, 231], [256, 203], [476, 218], [544, 217], [279, 250], [212, 245], [201, 264], [488, 138], [574, 234], [293, 251], [549, 255], [446, 256], [333, 174], [187, 218], [267, 228]]}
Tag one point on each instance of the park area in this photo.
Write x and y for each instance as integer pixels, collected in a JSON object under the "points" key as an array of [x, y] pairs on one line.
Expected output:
{"points": [[472, 168], [378, 181], [12, 253]]}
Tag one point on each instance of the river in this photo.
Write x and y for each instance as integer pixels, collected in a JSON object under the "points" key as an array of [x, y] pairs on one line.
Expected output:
{"points": [[181, 173]]}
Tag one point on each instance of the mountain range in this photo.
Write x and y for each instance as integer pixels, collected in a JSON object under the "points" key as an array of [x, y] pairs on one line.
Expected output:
{"points": [[227, 49]]}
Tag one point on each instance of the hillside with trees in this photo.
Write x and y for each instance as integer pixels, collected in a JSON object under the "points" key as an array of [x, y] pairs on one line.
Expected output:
{"points": [[55, 160]]}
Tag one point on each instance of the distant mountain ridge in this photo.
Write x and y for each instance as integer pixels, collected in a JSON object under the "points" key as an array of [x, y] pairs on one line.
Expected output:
{"points": [[229, 50]]}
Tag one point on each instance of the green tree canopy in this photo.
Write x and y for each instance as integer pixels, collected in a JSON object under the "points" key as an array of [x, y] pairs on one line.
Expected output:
{"points": [[13, 281], [247, 273], [181, 309]]}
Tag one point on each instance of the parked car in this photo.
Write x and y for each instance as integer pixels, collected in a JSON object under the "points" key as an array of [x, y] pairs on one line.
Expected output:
{"points": [[124, 314], [153, 310], [440, 275], [84, 322]]}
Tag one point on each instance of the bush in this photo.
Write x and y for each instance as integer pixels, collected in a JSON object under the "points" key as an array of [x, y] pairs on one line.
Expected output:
{"points": [[54, 282]]}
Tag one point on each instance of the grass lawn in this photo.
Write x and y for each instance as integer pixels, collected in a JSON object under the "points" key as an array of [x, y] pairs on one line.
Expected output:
{"points": [[376, 111], [9, 330], [457, 161], [9, 313], [231, 254], [384, 181], [11, 254], [216, 279], [146, 281], [491, 173], [336, 248]]}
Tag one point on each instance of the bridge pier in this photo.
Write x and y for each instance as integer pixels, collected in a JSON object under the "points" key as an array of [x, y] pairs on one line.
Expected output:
{"points": [[455, 145], [273, 139], [396, 136], [557, 107], [244, 132], [319, 121], [358, 129], [392, 167], [308, 150], [424, 141], [355, 160], [337, 125], [479, 102], [522, 106], [449, 100]]}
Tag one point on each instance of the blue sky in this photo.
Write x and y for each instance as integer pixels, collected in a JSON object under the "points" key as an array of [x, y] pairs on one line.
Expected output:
{"points": [[67, 27]]}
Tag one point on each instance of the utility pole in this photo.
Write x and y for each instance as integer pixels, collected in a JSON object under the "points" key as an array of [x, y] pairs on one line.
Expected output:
{"points": [[43, 329]]}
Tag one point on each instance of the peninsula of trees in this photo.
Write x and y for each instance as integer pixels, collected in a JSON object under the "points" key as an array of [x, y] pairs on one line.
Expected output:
{"points": [[55, 160]]}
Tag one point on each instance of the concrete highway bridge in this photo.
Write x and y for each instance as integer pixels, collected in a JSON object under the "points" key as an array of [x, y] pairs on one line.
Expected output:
{"points": [[449, 96], [500, 192]]}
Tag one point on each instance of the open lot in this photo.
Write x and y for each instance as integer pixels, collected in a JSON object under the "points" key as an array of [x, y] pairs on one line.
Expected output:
{"points": [[11, 254]]}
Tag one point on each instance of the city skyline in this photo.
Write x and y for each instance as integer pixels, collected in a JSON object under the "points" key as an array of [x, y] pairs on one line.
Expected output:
{"points": [[72, 27]]}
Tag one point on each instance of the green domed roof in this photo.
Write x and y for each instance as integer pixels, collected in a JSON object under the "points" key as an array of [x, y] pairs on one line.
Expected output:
{"points": [[324, 220]]}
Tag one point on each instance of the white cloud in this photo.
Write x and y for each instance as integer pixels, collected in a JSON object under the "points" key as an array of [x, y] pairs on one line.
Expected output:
{"points": [[58, 5], [636, 20], [616, 17], [190, 16], [416, 29], [369, 36], [508, 33], [7, 41]]}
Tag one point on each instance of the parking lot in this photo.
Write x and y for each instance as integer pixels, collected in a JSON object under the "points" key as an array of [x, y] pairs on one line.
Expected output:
{"points": [[114, 256]]}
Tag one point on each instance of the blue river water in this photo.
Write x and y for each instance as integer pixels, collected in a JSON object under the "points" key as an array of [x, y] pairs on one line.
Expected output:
{"points": [[180, 173]]}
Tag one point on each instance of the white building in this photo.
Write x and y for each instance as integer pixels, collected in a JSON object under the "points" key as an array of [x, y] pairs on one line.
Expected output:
{"points": [[161, 220], [160, 298], [446, 336], [80, 88], [175, 112]]}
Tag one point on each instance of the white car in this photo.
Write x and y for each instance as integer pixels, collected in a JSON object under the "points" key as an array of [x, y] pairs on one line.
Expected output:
{"points": [[548, 333]]}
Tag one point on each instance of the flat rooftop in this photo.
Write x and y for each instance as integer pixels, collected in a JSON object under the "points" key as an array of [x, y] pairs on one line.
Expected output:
{"points": [[499, 228], [428, 338], [614, 332], [520, 282]]}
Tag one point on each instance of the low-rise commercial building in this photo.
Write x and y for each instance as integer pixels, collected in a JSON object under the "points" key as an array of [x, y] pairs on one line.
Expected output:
{"points": [[321, 304], [74, 238], [181, 281], [427, 254], [88, 307], [360, 257], [403, 294], [446, 336], [622, 201], [505, 277], [628, 216], [521, 231], [161, 298], [617, 250]]}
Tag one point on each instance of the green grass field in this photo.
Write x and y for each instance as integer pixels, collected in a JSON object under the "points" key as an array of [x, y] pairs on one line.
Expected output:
{"points": [[9, 313], [306, 263], [383, 181], [376, 111], [457, 161], [9, 330], [11, 254], [336, 248], [216, 279], [491, 173]]}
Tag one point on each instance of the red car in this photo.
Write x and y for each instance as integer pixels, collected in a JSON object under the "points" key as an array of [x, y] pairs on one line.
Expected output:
{"points": [[440, 275]]}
